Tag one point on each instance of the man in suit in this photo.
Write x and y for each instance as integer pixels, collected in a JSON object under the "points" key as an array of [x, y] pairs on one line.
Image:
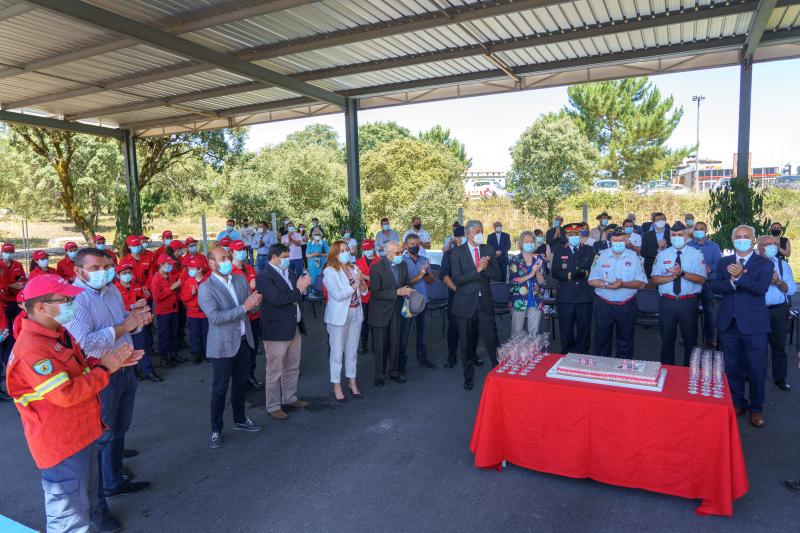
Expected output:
{"points": [[225, 299], [281, 327], [388, 284], [501, 242], [571, 265], [743, 280], [604, 243], [474, 266], [554, 237], [654, 241]]}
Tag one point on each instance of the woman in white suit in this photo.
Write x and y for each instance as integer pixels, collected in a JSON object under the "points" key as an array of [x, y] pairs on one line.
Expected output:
{"points": [[343, 316]]}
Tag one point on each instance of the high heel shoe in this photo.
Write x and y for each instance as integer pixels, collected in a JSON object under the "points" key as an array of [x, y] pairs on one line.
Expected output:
{"points": [[355, 394], [340, 400]]}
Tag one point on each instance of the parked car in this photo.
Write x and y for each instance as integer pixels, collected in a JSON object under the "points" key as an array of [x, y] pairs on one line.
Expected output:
{"points": [[485, 189], [787, 182], [669, 189], [605, 185], [655, 184]]}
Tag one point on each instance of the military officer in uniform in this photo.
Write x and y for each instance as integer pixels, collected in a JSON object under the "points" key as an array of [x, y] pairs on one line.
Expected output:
{"points": [[680, 272], [572, 261], [616, 275]]}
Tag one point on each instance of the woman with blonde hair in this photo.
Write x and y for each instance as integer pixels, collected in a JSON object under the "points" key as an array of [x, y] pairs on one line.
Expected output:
{"points": [[526, 272], [343, 316]]}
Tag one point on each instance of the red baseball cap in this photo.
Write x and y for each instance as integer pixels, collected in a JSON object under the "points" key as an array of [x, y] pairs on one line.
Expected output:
{"points": [[98, 238], [238, 245], [164, 258], [144, 238], [190, 240], [195, 262], [39, 254], [120, 268], [133, 240], [8, 247], [49, 284], [176, 245], [367, 244], [20, 297], [69, 245], [167, 234], [225, 241]]}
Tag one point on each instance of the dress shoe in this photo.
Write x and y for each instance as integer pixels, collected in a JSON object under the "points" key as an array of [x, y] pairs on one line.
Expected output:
{"points": [[247, 425], [468, 385], [426, 364], [197, 358], [155, 378], [354, 394], [478, 362], [398, 379], [127, 454], [278, 414], [298, 404], [757, 420], [215, 440], [129, 487], [781, 384], [792, 484], [107, 523], [166, 362], [402, 371], [343, 399], [127, 475], [255, 383], [179, 359], [379, 382], [739, 411]]}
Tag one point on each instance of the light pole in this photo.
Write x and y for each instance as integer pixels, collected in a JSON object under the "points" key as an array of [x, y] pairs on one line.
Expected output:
{"points": [[697, 98]]}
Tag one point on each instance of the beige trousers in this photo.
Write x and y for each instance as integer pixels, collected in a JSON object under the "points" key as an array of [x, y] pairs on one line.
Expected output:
{"points": [[283, 369]]}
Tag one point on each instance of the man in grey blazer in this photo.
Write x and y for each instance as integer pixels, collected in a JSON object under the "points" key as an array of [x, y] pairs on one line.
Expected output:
{"points": [[225, 299]]}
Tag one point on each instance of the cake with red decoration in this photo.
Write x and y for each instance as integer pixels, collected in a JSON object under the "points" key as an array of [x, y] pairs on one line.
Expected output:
{"points": [[593, 367]]}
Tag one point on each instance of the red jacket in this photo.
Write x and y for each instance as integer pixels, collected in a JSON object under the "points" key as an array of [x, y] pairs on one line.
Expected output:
{"points": [[14, 272], [16, 329], [38, 272], [131, 294], [249, 274], [55, 389], [66, 269], [143, 268], [189, 298], [166, 299], [364, 265]]}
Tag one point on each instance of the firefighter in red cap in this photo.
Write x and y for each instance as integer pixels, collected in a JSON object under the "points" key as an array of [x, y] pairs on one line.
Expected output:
{"points": [[225, 242], [100, 244], [192, 251], [177, 250], [241, 266], [5, 333], [40, 264], [66, 267], [364, 263], [165, 297], [196, 272], [143, 265], [134, 296], [13, 280], [55, 388], [166, 239]]}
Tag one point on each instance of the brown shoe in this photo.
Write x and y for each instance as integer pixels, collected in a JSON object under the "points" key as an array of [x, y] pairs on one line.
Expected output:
{"points": [[757, 420], [278, 414], [300, 404], [739, 410]]}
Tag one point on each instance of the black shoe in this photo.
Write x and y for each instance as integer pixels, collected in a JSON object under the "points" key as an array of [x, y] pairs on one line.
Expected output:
{"points": [[255, 383], [166, 362], [128, 488], [127, 475], [398, 379], [127, 454], [178, 359], [155, 378], [215, 440], [426, 364], [5, 397], [247, 425], [478, 362], [451, 360], [197, 358], [106, 524], [781, 384], [359, 395], [379, 382], [468, 385], [343, 399], [139, 375], [792, 484], [402, 371]]}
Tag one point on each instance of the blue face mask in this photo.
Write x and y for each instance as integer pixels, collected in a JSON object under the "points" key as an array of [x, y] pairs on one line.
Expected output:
{"points": [[396, 260], [539, 239], [240, 255], [742, 245], [136, 249], [43, 263], [225, 268], [604, 222], [100, 247], [699, 235], [574, 240], [66, 313], [71, 255], [556, 223], [770, 251], [192, 272], [167, 268], [229, 227], [110, 275], [387, 227], [167, 242], [617, 247], [690, 222], [126, 278], [678, 242], [528, 247], [193, 249], [344, 257], [285, 263], [629, 229], [97, 279]]}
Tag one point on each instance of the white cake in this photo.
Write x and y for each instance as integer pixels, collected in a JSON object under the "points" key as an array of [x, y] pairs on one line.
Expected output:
{"points": [[609, 369]]}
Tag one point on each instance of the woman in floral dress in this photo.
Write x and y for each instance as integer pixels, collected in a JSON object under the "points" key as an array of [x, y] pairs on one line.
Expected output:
{"points": [[526, 272]]}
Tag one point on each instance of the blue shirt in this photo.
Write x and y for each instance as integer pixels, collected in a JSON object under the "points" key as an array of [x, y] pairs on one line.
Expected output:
{"points": [[691, 262], [233, 235], [413, 271], [96, 316], [609, 267], [774, 295], [711, 255]]}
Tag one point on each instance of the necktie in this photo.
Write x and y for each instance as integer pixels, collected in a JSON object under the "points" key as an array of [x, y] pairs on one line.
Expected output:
{"points": [[676, 283], [476, 256]]}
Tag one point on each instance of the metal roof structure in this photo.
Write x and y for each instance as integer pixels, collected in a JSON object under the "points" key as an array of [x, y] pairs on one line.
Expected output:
{"points": [[155, 67]]}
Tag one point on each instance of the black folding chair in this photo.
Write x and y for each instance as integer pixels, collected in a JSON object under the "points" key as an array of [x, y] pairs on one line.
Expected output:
{"points": [[647, 304], [317, 296], [437, 298], [501, 296]]}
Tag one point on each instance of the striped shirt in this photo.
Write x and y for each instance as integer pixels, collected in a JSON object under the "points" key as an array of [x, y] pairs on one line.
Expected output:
{"points": [[97, 314]]}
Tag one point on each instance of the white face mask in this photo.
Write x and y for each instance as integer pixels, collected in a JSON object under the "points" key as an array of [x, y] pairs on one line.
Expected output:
{"points": [[478, 238], [499, 229]]}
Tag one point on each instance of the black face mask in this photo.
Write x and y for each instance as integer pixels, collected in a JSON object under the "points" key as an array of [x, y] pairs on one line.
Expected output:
{"points": [[417, 227], [776, 233], [413, 250]]}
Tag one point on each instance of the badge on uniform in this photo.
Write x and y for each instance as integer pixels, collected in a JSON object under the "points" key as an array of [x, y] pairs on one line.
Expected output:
{"points": [[57, 347], [43, 367], [667, 262]]}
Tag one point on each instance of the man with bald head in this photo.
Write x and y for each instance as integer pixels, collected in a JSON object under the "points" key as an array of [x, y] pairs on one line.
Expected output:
{"points": [[225, 299]]}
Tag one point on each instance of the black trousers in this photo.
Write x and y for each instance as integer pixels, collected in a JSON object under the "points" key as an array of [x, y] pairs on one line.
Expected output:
{"points": [[233, 371], [671, 315], [570, 318], [778, 321], [452, 338], [481, 323], [387, 348], [255, 329], [364, 325], [181, 323], [709, 315], [608, 318]]}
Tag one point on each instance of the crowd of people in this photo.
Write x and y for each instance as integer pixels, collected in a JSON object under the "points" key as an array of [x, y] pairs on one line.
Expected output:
{"points": [[78, 337]]}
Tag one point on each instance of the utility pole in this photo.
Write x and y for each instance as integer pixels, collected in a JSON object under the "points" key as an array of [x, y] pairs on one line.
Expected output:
{"points": [[697, 98]]}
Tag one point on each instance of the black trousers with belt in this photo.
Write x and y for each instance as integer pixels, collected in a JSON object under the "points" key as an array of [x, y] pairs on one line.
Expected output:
{"points": [[674, 313], [233, 371], [612, 320], [778, 321], [479, 324], [572, 317], [387, 348]]}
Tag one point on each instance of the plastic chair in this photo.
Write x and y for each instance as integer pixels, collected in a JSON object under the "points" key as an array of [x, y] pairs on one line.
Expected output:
{"points": [[438, 298], [501, 296], [647, 304]]}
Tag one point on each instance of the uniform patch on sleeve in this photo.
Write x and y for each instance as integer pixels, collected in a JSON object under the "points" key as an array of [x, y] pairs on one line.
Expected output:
{"points": [[43, 367], [57, 347]]}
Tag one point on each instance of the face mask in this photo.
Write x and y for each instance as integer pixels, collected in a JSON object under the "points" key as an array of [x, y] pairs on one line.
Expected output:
{"points": [[136, 249], [285, 222], [291, 229], [193, 249], [742, 245], [396, 260], [192, 272], [240, 255], [538, 239], [690, 222], [6, 256], [110, 275], [556, 223], [126, 278], [344, 257], [528, 247], [71, 255], [346, 235], [413, 250], [317, 237], [387, 227], [574, 240], [43, 263], [774, 232], [498, 229], [225, 268], [314, 223], [66, 313], [584, 233], [604, 222], [168, 268], [617, 247], [100, 247], [284, 263], [97, 279], [629, 229], [167, 242], [678, 242], [417, 227], [229, 227], [369, 254], [660, 224], [479, 238], [770, 251], [699, 235], [227, 248]]}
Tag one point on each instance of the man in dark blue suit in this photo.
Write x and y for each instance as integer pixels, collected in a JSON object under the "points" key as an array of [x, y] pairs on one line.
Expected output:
{"points": [[743, 280], [501, 242]]}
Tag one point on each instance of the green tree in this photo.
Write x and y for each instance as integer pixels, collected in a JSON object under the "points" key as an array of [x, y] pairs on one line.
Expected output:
{"points": [[629, 122], [441, 135], [373, 134], [408, 177], [551, 160], [316, 135], [734, 204]]}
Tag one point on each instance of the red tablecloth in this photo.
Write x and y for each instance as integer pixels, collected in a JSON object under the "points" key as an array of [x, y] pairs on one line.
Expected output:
{"points": [[669, 442]]}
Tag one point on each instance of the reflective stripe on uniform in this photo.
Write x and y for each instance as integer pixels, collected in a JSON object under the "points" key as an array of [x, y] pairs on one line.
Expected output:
{"points": [[42, 388]]}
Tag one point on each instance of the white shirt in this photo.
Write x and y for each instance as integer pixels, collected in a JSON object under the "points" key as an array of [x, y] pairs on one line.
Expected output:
{"points": [[424, 237], [285, 275], [227, 282]]}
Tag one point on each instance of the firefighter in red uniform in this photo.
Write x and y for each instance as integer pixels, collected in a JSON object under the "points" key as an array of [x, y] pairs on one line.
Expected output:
{"points": [[134, 296], [55, 389], [142, 264], [193, 250], [66, 267], [14, 280], [16, 327], [196, 272], [241, 266], [40, 264], [165, 297], [100, 244], [225, 242], [5, 334], [177, 250], [166, 238], [364, 263]]}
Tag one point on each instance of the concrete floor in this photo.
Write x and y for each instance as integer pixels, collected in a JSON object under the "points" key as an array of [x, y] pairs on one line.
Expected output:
{"points": [[398, 460]]}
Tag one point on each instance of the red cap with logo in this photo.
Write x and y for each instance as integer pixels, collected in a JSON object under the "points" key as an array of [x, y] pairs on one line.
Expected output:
{"points": [[98, 238], [133, 240], [190, 240], [164, 258], [238, 245], [167, 234], [8, 247], [49, 284], [176, 245], [195, 262], [120, 268], [70, 245], [225, 241], [367, 244], [39, 254]]}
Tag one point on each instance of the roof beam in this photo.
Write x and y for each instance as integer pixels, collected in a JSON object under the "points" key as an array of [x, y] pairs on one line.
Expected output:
{"points": [[183, 47], [54, 123], [609, 28], [756, 31], [14, 11]]}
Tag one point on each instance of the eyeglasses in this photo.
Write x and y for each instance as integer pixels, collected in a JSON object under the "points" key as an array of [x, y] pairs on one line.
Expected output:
{"points": [[65, 300]]}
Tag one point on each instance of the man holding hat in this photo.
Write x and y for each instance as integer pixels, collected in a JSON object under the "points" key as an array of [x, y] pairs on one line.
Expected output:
{"points": [[100, 244], [55, 388], [572, 262], [133, 298], [66, 267], [680, 272], [602, 224], [616, 275], [165, 298], [364, 264]]}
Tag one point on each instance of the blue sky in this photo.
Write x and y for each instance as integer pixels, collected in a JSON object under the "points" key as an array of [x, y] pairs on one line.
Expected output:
{"points": [[489, 125]]}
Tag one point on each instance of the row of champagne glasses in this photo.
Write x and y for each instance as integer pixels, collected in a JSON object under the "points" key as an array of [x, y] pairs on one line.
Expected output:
{"points": [[522, 352], [707, 367]]}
